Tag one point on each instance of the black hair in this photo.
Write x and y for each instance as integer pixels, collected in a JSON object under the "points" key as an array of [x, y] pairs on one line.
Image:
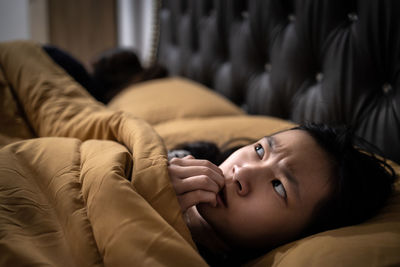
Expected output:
{"points": [[115, 69], [112, 71], [362, 181]]}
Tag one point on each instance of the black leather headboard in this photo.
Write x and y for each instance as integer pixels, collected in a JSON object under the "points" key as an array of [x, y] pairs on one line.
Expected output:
{"points": [[332, 61]]}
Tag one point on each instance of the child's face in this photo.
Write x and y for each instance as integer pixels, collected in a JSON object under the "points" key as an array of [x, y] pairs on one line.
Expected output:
{"points": [[271, 189]]}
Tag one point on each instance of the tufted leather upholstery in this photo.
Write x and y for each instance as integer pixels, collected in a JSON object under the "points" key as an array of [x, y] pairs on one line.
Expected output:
{"points": [[332, 61]]}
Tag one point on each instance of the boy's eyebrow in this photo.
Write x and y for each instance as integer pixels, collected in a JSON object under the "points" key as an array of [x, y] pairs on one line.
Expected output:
{"points": [[272, 142]]}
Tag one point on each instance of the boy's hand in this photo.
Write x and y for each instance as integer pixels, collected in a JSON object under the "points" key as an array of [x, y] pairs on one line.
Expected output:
{"points": [[195, 181]]}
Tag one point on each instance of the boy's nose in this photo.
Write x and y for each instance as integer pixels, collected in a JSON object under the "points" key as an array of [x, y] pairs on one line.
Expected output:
{"points": [[249, 176], [241, 179]]}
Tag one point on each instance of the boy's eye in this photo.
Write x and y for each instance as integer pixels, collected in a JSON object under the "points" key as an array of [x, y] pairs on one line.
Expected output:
{"points": [[259, 150], [279, 188]]}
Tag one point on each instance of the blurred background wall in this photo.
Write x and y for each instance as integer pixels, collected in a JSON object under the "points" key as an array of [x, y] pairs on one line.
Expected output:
{"points": [[84, 28], [14, 19]]}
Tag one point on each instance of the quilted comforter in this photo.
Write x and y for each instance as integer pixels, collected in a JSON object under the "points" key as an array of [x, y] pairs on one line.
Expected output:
{"points": [[80, 185]]}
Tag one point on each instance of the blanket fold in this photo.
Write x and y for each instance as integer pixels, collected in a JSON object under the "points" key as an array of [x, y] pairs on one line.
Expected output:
{"points": [[76, 191]]}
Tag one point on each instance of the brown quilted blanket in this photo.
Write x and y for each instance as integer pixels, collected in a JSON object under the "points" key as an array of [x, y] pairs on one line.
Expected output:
{"points": [[91, 188]]}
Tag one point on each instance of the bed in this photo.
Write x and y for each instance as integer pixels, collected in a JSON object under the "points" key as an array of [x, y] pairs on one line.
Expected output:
{"points": [[86, 184], [328, 61]]}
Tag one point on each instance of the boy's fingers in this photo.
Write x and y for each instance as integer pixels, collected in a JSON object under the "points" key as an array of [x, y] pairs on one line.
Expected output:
{"points": [[185, 172], [193, 198], [191, 161], [200, 182]]}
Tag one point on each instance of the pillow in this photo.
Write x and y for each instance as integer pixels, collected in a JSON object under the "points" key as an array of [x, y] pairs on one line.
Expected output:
{"points": [[170, 98], [220, 130]]}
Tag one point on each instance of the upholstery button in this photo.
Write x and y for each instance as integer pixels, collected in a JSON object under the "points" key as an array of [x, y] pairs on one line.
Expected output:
{"points": [[319, 76], [352, 17], [387, 88], [267, 67], [291, 17]]}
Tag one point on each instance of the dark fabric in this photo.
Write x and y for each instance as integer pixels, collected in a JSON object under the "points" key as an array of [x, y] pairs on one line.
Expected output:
{"points": [[331, 61], [74, 68], [113, 71]]}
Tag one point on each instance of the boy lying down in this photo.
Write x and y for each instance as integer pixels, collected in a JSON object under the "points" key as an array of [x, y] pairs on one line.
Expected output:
{"points": [[285, 186]]}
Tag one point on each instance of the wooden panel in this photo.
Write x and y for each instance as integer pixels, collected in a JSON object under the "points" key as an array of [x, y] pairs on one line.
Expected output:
{"points": [[83, 27], [39, 20]]}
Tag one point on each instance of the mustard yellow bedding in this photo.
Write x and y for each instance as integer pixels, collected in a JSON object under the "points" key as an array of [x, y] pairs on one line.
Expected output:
{"points": [[82, 184], [69, 200]]}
